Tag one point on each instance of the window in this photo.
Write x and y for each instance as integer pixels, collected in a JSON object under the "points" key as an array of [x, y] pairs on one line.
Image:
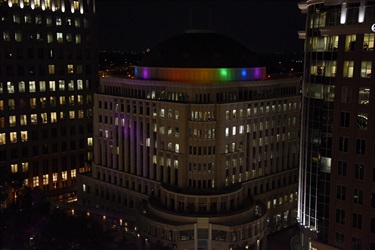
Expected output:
{"points": [[340, 240], [32, 86], [52, 86], [58, 21], [346, 94], [360, 146], [342, 167], [61, 85], [341, 192], [343, 144], [364, 96], [13, 137], [372, 225], [18, 36], [362, 120], [357, 220], [359, 170], [350, 42], [366, 69], [358, 196], [10, 87], [59, 37], [78, 39], [368, 42], [340, 216], [344, 119], [356, 244], [21, 87], [348, 69], [51, 69]]}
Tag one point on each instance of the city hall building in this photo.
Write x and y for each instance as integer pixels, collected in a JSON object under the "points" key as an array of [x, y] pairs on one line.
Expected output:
{"points": [[200, 150]]}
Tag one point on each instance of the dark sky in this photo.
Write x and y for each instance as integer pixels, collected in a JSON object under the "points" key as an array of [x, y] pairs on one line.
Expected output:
{"points": [[261, 25]]}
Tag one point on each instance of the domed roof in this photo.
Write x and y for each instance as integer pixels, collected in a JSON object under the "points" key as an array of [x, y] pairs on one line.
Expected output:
{"points": [[200, 49]]}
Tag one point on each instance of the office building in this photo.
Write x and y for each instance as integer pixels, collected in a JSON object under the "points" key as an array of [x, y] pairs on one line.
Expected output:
{"points": [[336, 204], [48, 73], [200, 150]]}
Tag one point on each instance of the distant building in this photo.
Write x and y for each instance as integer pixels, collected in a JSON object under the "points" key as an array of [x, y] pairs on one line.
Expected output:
{"points": [[200, 150], [336, 203], [48, 73]]}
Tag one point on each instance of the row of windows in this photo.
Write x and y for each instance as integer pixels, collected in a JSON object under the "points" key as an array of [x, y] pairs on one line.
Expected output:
{"points": [[360, 145], [18, 36], [45, 118], [361, 122], [50, 69], [330, 43], [53, 5], [356, 243], [47, 20], [328, 68], [356, 220], [359, 170], [41, 86], [42, 53]]}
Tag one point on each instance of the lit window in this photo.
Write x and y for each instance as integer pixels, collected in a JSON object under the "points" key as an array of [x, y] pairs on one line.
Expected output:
{"points": [[25, 166], [43, 102], [226, 132], [18, 37], [6, 36], [76, 4], [71, 84], [70, 69], [12, 121], [59, 37], [78, 39], [23, 120], [69, 38], [79, 99], [77, 22], [71, 114], [234, 129], [366, 69], [62, 100], [53, 117], [34, 119], [368, 42], [35, 181], [10, 87], [364, 96], [24, 136], [177, 148], [2, 139], [89, 141], [11, 104], [350, 42], [79, 84], [27, 18], [21, 86], [161, 112], [32, 87], [51, 69], [61, 85], [1, 87], [348, 69], [44, 118], [71, 100], [37, 3], [58, 21], [14, 168], [13, 137]]}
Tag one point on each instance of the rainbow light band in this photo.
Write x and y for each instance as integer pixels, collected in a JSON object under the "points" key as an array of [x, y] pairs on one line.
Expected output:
{"points": [[197, 75]]}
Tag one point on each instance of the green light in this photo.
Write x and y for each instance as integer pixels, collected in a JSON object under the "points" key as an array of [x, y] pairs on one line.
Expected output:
{"points": [[223, 73]]}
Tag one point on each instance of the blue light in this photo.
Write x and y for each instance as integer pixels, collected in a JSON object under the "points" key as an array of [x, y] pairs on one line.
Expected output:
{"points": [[243, 73]]}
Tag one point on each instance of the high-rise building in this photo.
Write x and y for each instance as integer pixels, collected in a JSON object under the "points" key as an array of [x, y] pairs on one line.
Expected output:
{"points": [[48, 74], [200, 150], [336, 204]]}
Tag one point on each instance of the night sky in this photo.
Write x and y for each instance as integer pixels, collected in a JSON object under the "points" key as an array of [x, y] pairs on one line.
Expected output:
{"points": [[261, 25]]}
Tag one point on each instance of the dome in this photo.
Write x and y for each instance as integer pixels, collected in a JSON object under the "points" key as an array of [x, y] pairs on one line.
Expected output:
{"points": [[200, 49]]}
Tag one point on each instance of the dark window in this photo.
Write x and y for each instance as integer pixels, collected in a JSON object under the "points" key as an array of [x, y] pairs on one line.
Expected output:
{"points": [[340, 216], [359, 171], [360, 146], [358, 196], [342, 166], [357, 220], [343, 144], [341, 192], [344, 119]]}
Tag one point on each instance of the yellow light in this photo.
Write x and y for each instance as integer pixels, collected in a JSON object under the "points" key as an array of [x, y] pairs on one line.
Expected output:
{"points": [[104, 217]]}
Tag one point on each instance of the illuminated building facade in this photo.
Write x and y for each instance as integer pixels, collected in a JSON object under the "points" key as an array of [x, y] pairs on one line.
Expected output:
{"points": [[47, 78], [200, 149], [336, 204]]}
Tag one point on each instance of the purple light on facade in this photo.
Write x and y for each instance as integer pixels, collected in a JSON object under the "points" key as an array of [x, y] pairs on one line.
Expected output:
{"points": [[145, 73], [256, 73]]}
